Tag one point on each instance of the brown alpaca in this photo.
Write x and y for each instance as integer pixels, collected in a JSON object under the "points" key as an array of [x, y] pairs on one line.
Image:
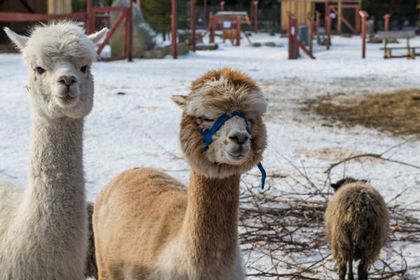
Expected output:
{"points": [[148, 226], [357, 226]]}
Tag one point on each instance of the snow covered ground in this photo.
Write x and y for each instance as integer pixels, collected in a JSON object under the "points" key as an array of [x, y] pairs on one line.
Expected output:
{"points": [[140, 127]]}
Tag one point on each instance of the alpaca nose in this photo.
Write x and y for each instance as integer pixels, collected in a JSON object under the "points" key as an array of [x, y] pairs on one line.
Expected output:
{"points": [[67, 80], [239, 137]]}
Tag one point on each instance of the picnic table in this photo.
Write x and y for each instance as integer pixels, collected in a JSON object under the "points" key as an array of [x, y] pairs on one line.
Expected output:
{"points": [[228, 19], [386, 36]]}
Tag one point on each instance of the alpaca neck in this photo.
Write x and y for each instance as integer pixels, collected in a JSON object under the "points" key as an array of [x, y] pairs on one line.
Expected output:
{"points": [[54, 201], [210, 227]]}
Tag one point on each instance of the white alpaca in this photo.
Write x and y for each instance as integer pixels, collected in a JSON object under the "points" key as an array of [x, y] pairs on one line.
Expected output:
{"points": [[43, 229]]}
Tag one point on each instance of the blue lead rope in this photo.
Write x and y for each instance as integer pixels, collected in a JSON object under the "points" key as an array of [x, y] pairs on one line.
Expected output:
{"points": [[208, 133], [263, 175], [208, 138]]}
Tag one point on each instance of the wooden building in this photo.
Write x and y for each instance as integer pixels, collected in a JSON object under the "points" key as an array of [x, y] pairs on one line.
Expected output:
{"points": [[31, 7], [36, 6], [346, 12]]}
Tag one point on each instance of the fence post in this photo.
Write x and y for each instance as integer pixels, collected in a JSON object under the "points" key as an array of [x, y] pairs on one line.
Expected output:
{"points": [[363, 16], [90, 17], [293, 52], [386, 22], [317, 21], [211, 28], [357, 19], [130, 31], [174, 30], [238, 31], [310, 23], [328, 30], [255, 6]]}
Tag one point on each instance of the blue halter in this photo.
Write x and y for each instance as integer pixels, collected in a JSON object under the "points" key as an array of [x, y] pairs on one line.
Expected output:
{"points": [[208, 138]]}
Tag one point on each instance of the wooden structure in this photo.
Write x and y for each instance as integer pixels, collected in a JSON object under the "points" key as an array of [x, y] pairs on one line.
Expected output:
{"points": [[328, 23], [174, 28], [386, 21], [59, 6], [293, 41], [254, 14], [301, 9], [364, 16], [393, 35], [90, 17], [236, 19], [24, 6]]}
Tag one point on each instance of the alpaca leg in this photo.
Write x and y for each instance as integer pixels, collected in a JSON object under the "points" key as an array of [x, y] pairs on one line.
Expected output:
{"points": [[350, 275], [362, 270], [342, 271]]}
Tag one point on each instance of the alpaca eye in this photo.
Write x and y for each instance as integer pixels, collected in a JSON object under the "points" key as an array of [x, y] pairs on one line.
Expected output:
{"points": [[204, 119], [84, 68], [40, 70]]}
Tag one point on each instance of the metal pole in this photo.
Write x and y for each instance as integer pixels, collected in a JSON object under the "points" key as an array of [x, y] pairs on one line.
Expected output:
{"points": [[174, 30], [193, 35]]}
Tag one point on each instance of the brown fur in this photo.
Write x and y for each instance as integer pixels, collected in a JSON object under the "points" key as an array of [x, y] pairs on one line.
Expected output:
{"points": [[148, 226], [239, 94], [357, 225]]}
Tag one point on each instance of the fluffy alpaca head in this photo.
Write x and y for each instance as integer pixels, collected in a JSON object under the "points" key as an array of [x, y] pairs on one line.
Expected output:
{"points": [[59, 57], [238, 145], [348, 180]]}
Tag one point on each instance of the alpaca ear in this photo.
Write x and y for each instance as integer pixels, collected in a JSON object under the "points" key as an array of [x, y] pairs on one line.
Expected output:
{"points": [[19, 40], [180, 100], [99, 36]]}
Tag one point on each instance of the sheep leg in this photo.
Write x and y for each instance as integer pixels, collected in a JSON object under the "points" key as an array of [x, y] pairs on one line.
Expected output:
{"points": [[342, 271], [350, 275], [362, 270]]}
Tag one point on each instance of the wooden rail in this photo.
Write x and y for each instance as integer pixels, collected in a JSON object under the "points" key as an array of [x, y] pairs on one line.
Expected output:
{"points": [[89, 17]]}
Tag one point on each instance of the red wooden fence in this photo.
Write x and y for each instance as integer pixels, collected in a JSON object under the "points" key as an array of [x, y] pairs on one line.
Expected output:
{"points": [[89, 17]]}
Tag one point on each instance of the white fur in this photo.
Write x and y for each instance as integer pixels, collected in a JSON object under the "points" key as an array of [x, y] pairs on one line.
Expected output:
{"points": [[174, 264], [223, 146], [43, 229]]}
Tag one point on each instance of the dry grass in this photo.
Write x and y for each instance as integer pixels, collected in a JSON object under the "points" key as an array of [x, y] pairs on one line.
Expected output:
{"points": [[289, 234], [397, 113]]}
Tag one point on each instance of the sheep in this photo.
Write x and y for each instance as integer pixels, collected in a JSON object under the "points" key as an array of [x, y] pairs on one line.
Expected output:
{"points": [[357, 225]]}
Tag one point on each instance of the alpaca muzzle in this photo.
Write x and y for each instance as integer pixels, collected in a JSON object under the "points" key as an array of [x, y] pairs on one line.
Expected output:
{"points": [[209, 133]]}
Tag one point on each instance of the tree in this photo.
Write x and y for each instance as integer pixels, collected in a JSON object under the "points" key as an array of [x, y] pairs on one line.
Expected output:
{"points": [[158, 14]]}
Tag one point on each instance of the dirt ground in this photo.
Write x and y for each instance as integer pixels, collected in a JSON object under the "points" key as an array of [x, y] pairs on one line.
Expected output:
{"points": [[396, 112]]}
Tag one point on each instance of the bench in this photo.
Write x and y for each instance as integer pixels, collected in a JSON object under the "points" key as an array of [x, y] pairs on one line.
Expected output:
{"points": [[411, 52], [392, 35]]}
